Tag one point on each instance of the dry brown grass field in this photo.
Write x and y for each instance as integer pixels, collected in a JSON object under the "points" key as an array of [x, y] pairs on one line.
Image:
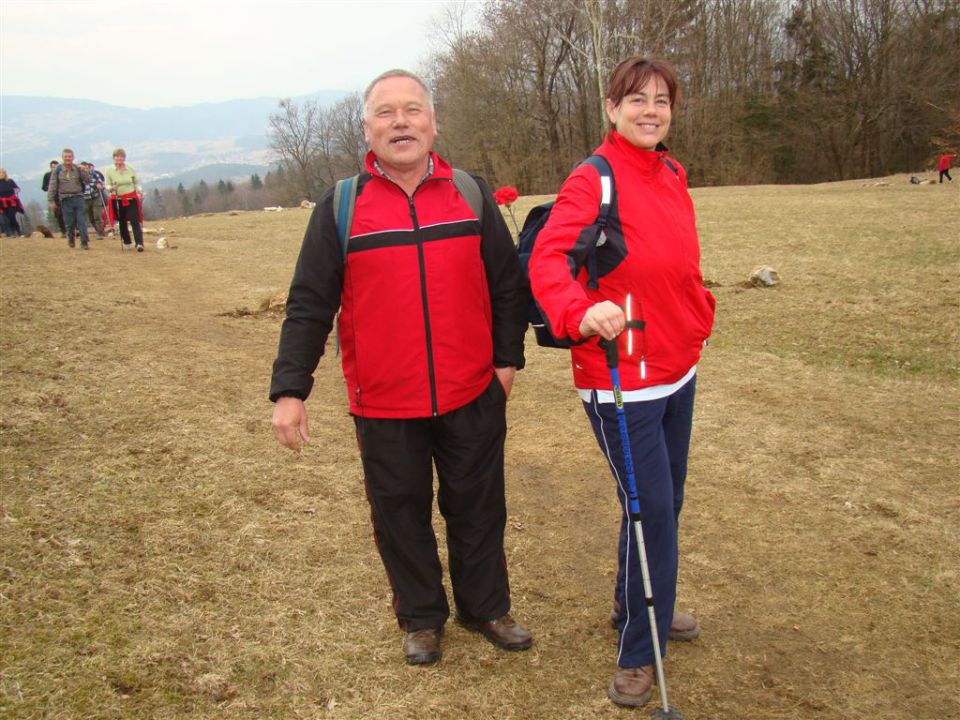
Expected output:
{"points": [[163, 557]]}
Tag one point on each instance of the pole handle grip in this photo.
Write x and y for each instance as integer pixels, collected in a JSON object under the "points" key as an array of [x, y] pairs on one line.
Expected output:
{"points": [[612, 352]]}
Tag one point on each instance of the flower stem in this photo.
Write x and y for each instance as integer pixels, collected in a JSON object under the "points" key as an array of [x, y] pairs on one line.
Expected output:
{"points": [[514, 218]]}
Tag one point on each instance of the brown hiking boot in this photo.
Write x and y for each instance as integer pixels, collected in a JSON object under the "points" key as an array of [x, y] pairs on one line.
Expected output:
{"points": [[631, 687], [683, 626], [504, 632], [422, 647]]}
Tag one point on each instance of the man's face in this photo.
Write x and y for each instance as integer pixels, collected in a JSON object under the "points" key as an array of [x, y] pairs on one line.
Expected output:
{"points": [[53, 164], [68, 158], [399, 124]]}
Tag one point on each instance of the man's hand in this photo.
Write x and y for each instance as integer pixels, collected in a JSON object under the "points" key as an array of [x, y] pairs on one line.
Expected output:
{"points": [[605, 319], [290, 422], [505, 375]]}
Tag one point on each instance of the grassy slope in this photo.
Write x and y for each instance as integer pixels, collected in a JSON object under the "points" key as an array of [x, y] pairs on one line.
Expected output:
{"points": [[163, 558]]}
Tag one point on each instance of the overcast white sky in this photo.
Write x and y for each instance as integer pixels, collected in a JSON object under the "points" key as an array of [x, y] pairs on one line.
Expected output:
{"points": [[146, 53]]}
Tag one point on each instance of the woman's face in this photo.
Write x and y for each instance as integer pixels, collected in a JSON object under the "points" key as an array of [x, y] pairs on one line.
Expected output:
{"points": [[119, 160], [643, 117]]}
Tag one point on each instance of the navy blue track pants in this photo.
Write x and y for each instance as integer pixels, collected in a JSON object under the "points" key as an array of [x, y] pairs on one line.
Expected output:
{"points": [[659, 432]]}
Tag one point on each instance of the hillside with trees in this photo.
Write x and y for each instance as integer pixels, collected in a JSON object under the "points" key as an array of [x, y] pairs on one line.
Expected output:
{"points": [[774, 92]]}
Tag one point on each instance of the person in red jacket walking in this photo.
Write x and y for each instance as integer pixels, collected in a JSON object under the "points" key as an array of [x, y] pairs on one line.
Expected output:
{"points": [[652, 302], [432, 304], [944, 166]]}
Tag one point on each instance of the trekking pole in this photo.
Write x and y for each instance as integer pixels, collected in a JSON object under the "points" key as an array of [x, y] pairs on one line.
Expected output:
{"points": [[106, 213], [113, 215], [664, 712]]}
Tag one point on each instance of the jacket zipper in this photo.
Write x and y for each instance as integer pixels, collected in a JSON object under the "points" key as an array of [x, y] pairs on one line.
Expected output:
{"points": [[426, 307]]}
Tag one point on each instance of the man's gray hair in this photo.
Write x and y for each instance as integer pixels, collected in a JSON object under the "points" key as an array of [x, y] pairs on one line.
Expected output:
{"points": [[66, 150], [397, 72]]}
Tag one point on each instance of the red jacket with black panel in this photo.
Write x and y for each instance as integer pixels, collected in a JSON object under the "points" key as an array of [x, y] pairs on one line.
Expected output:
{"points": [[430, 301], [649, 265]]}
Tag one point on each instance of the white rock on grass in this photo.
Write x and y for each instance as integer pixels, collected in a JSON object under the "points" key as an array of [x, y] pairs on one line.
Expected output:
{"points": [[764, 276]]}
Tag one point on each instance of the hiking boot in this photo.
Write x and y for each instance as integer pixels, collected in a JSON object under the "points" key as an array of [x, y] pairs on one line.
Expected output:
{"points": [[127, 246], [504, 632], [84, 246], [683, 626], [71, 244], [140, 248], [631, 687], [422, 647]]}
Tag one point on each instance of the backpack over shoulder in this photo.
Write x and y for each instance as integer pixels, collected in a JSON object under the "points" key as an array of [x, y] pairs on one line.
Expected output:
{"points": [[537, 219]]}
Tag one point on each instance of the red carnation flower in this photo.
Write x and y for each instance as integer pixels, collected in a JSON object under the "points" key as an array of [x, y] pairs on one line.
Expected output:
{"points": [[506, 195]]}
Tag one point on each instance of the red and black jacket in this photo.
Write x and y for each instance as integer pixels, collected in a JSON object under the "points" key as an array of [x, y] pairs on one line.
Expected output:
{"points": [[650, 263], [430, 302]]}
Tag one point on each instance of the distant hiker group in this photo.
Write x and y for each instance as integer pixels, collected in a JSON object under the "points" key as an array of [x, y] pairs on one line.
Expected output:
{"points": [[79, 193]]}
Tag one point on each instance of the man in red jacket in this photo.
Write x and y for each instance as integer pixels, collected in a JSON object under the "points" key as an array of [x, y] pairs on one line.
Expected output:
{"points": [[944, 166], [432, 318]]}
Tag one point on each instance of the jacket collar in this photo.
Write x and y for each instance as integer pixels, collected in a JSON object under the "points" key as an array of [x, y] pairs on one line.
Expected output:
{"points": [[437, 167], [649, 160]]}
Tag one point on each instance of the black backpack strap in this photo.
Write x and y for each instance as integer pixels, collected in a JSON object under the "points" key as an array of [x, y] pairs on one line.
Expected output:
{"points": [[607, 197]]}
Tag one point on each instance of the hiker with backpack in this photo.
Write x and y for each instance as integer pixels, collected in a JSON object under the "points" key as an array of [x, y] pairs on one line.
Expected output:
{"points": [[417, 259], [65, 192], [619, 260], [93, 198]]}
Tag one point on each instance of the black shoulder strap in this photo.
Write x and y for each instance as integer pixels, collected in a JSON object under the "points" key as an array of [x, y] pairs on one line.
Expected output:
{"points": [[607, 196], [607, 187]]}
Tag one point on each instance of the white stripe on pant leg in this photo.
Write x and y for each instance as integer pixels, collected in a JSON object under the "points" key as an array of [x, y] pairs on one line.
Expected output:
{"points": [[626, 500]]}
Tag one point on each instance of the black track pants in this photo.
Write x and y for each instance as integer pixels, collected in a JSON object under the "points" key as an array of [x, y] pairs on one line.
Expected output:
{"points": [[466, 445], [128, 213]]}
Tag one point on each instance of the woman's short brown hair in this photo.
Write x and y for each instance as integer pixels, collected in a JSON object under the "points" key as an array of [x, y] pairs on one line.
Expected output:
{"points": [[120, 152], [633, 73]]}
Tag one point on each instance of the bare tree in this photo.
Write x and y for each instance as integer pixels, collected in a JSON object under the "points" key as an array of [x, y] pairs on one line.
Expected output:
{"points": [[295, 132]]}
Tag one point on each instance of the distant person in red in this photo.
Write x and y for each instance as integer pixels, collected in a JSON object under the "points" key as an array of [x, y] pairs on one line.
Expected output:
{"points": [[944, 166], [10, 202]]}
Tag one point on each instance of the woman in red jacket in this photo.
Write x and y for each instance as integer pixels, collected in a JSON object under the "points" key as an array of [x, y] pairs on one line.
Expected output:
{"points": [[650, 299]]}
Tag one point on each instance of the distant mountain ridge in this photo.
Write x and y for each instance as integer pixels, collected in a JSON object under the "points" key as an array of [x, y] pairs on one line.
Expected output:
{"points": [[161, 143]]}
